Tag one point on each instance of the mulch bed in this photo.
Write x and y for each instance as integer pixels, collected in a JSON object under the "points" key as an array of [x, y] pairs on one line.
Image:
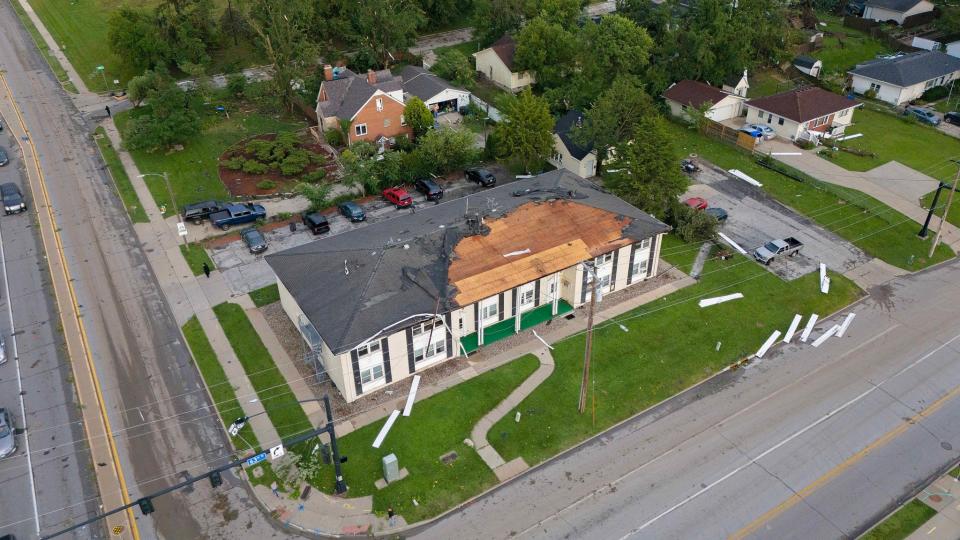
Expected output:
{"points": [[241, 184]]}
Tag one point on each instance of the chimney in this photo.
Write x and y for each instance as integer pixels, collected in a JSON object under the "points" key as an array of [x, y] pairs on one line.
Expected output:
{"points": [[371, 76], [327, 72]]}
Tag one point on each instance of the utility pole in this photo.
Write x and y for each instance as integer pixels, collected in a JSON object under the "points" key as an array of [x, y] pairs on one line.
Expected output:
{"points": [[946, 210], [589, 344], [341, 485]]}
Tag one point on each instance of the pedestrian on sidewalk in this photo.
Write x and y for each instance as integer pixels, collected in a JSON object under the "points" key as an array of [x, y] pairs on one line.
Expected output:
{"points": [[391, 520], [108, 111], [206, 270]]}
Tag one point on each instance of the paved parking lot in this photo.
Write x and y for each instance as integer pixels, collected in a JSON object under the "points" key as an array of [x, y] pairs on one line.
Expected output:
{"points": [[246, 272], [756, 218]]}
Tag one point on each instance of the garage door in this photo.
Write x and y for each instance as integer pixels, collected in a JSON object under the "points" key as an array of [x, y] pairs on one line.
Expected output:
{"points": [[725, 112]]}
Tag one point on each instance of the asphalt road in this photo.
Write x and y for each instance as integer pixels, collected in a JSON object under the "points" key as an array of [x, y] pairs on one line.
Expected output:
{"points": [[809, 443], [154, 396]]}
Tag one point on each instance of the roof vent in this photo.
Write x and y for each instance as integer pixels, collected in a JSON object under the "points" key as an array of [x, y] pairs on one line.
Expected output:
{"points": [[346, 270]]}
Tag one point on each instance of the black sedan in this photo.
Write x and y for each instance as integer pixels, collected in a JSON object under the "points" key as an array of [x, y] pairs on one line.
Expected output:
{"points": [[254, 240]]}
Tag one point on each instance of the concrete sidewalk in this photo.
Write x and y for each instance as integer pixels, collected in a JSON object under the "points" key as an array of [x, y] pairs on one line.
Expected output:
{"points": [[944, 497]]}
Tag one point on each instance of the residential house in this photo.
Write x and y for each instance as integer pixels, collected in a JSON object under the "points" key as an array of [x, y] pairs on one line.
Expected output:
{"points": [[685, 95], [580, 159], [808, 65], [803, 113], [382, 302], [905, 78], [496, 64], [737, 84], [895, 10], [438, 94], [371, 103]]}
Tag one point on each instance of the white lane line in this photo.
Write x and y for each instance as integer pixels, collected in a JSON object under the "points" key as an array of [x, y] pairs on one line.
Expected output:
{"points": [[789, 439], [23, 409]]}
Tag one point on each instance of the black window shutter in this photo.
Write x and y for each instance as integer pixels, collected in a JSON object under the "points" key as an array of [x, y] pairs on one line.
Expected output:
{"points": [[355, 362], [536, 293], [385, 347], [476, 316], [613, 272], [411, 363], [449, 320], [633, 251], [500, 307], [513, 302]]}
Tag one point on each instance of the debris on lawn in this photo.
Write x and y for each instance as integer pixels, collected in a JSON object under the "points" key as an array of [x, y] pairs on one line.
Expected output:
{"points": [[851, 136], [412, 395], [806, 331], [733, 244], [704, 302], [767, 344], [845, 324], [824, 279], [826, 335], [793, 328], [745, 177], [386, 428], [449, 457]]}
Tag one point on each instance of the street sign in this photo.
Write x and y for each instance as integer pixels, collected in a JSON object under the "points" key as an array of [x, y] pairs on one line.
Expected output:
{"points": [[181, 228], [256, 459], [277, 452]]}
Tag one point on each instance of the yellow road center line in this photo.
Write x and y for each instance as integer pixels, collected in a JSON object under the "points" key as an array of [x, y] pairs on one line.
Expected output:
{"points": [[76, 311]]}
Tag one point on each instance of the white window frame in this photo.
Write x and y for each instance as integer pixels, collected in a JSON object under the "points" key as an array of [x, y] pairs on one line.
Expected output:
{"points": [[426, 326], [372, 374], [603, 259], [488, 305], [645, 243], [386, 122], [639, 264], [379, 104], [526, 296], [360, 130], [368, 349], [429, 352], [875, 87]]}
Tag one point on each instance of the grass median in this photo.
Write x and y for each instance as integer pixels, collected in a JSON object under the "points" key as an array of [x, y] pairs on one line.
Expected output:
{"points": [[670, 345], [901, 523], [120, 179], [196, 255], [869, 224]]}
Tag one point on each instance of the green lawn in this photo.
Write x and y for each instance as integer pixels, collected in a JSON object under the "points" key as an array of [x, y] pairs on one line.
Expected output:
{"points": [[467, 48], [265, 295], [120, 179], [766, 83], [892, 137], [275, 395], [632, 371], [841, 54], [901, 523], [55, 66], [193, 171], [196, 256], [866, 222], [438, 425]]}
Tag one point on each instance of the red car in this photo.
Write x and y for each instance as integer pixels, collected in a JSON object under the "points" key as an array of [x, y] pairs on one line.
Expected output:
{"points": [[697, 203], [398, 196]]}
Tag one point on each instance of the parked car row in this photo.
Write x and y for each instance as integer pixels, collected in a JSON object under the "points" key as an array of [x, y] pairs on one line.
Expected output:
{"points": [[699, 203]]}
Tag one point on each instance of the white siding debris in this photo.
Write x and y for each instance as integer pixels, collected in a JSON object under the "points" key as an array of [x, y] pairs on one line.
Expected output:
{"points": [[826, 335], [386, 429], [845, 324], [719, 299], [806, 331], [793, 328], [412, 396], [746, 178], [767, 344]]}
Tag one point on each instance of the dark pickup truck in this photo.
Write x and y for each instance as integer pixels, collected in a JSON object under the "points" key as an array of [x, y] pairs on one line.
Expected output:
{"points": [[197, 212], [237, 214], [789, 246]]}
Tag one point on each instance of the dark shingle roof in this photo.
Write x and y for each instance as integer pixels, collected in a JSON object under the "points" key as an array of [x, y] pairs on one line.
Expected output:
{"points": [[423, 84], [694, 93], [909, 69], [803, 104], [349, 91], [893, 5], [353, 285], [804, 61], [505, 48], [564, 126]]}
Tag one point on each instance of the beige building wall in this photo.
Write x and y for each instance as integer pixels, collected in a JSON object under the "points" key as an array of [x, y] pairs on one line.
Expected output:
{"points": [[492, 67]]}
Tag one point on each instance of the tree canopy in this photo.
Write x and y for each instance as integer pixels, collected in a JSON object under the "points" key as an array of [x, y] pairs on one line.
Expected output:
{"points": [[417, 116], [526, 133]]}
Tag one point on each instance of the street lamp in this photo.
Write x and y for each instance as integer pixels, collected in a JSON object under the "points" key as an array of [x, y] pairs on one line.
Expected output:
{"points": [[181, 226]]}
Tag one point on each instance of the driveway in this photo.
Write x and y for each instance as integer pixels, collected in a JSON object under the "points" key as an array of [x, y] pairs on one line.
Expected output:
{"points": [[756, 218]]}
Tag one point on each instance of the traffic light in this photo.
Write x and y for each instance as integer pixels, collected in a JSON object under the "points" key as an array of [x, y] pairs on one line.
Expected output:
{"points": [[146, 506], [215, 479]]}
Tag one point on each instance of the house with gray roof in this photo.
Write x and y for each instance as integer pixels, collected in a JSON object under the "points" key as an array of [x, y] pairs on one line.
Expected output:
{"points": [[580, 159], [387, 300], [372, 104], [437, 93], [905, 78], [895, 10]]}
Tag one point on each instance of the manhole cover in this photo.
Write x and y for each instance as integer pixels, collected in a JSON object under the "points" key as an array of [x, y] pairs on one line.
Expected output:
{"points": [[946, 446], [935, 498]]}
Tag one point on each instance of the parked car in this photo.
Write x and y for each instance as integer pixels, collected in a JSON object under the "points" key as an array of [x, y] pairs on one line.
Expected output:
{"points": [[923, 115], [688, 166], [3, 157], [481, 176], [237, 214], [254, 239], [697, 203], [8, 441], [13, 202], [752, 131], [398, 197], [316, 222], [855, 8], [197, 212], [352, 211], [766, 131], [786, 247], [952, 118], [719, 213], [431, 189]]}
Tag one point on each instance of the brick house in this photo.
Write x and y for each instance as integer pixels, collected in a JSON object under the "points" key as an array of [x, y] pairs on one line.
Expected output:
{"points": [[372, 103]]}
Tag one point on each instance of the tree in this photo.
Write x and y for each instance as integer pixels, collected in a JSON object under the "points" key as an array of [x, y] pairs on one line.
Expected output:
{"points": [[615, 46], [382, 27], [317, 194], [132, 35], [454, 66], [526, 133], [139, 87], [644, 171], [546, 49], [616, 115], [441, 151], [565, 13], [167, 120], [494, 18], [417, 116], [281, 30]]}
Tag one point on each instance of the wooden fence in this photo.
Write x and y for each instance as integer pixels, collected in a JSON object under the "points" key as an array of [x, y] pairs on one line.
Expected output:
{"points": [[729, 135]]}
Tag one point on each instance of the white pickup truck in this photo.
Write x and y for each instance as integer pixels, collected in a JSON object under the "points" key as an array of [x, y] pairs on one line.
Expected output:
{"points": [[789, 246]]}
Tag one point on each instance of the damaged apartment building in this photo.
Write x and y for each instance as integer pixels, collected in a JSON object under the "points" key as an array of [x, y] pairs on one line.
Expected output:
{"points": [[384, 301]]}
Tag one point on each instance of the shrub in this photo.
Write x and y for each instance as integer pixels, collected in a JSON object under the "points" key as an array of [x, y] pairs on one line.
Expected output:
{"points": [[315, 176], [234, 164], [402, 143], [236, 84], [266, 184], [260, 148], [316, 157], [691, 225], [294, 163], [935, 93], [454, 66], [334, 137], [870, 94], [252, 166], [280, 216]]}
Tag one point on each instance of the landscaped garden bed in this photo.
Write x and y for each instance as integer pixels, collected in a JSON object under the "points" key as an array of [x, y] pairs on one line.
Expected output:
{"points": [[274, 163]]}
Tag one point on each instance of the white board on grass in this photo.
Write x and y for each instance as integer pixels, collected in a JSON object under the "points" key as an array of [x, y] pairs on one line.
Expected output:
{"points": [[386, 429], [767, 344], [811, 322], [735, 245], [704, 302], [826, 335], [412, 395], [793, 328], [745, 177]]}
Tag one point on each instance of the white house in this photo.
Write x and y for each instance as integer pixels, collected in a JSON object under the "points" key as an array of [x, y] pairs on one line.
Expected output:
{"points": [[567, 154], [438, 94], [895, 10], [803, 113], [688, 94], [737, 84], [905, 78], [496, 63], [382, 302]]}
